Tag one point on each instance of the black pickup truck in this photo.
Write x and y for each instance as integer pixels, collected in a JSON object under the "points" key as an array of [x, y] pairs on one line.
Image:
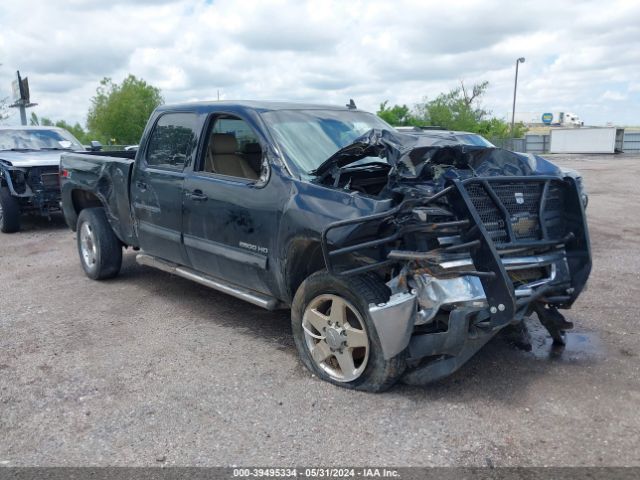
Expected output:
{"points": [[397, 258]]}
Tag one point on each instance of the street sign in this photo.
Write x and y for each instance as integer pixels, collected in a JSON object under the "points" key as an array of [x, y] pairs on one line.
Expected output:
{"points": [[20, 89], [16, 91], [21, 97], [25, 90]]}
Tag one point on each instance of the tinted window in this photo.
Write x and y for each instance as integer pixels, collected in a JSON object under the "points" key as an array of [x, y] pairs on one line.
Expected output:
{"points": [[238, 128], [233, 149], [173, 140]]}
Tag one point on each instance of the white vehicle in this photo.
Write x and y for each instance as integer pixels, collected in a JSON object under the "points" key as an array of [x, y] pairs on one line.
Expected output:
{"points": [[586, 140], [29, 182], [551, 118]]}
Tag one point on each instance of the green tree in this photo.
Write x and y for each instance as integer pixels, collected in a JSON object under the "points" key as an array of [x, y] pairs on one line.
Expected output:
{"points": [[36, 121], [120, 111], [496, 128], [458, 109], [76, 130], [398, 115]]}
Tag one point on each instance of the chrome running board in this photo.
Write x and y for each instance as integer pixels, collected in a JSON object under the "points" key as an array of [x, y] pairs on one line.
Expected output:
{"points": [[259, 299]]}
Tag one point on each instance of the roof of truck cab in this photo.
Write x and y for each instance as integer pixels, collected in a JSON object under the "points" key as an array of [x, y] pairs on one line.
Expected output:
{"points": [[257, 105]]}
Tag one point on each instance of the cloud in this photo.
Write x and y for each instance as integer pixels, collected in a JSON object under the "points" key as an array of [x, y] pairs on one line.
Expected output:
{"points": [[580, 56], [614, 96]]}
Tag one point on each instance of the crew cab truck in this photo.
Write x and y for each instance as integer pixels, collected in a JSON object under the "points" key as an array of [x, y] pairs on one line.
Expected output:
{"points": [[398, 260]]}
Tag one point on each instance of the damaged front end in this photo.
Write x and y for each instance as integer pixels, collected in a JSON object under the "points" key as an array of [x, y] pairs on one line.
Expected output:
{"points": [[480, 239], [37, 188]]}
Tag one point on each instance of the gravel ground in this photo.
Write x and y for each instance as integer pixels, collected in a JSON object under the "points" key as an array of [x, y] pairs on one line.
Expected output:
{"points": [[149, 369]]}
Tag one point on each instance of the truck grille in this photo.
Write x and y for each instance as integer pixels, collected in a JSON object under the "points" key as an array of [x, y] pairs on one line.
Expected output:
{"points": [[519, 211], [50, 181]]}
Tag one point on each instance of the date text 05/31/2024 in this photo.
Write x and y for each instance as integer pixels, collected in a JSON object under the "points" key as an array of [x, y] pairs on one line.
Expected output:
{"points": [[315, 472]]}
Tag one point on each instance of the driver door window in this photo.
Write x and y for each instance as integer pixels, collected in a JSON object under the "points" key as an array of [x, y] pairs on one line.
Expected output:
{"points": [[233, 149]]}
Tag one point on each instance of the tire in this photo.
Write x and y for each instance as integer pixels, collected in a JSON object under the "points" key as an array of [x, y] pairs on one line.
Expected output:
{"points": [[9, 212], [99, 249], [368, 371]]}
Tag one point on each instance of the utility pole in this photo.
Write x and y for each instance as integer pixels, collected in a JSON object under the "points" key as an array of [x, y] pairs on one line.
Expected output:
{"points": [[515, 88], [21, 97]]}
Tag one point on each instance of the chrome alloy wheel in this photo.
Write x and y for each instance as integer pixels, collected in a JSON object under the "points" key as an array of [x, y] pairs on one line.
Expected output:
{"points": [[336, 337], [88, 245]]}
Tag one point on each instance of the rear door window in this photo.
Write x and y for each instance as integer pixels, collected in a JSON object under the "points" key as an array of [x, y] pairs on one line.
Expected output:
{"points": [[173, 141]]}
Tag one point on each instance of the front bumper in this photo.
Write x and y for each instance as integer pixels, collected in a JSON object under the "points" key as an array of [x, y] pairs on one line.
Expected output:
{"points": [[463, 301], [36, 188], [396, 320], [468, 330]]}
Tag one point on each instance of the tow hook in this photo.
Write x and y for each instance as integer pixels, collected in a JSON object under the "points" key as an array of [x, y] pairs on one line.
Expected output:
{"points": [[554, 322]]}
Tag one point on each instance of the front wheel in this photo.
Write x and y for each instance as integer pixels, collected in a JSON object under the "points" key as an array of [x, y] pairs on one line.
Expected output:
{"points": [[9, 212], [99, 248], [335, 336]]}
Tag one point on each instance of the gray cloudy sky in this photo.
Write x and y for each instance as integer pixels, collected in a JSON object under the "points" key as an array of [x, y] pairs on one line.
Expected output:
{"points": [[581, 56]]}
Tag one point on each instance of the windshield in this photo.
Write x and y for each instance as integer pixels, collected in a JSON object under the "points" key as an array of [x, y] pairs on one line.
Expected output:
{"points": [[309, 137], [40, 139]]}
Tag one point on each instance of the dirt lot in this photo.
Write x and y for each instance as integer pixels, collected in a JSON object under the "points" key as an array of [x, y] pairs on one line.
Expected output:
{"points": [[149, 369]]}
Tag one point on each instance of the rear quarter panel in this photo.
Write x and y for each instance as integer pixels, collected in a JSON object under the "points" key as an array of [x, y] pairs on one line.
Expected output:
{"points": [[108, 179]]}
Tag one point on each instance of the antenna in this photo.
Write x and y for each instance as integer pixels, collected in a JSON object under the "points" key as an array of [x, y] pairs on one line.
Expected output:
{"points": [[351, 105]]}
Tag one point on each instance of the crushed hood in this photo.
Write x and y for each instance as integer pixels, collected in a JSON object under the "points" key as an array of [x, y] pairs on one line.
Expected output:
{"points": [[27, 159], [410, 157]]}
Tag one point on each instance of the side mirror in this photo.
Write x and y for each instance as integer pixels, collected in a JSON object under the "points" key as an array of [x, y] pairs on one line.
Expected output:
{"points": [[95, 146]]}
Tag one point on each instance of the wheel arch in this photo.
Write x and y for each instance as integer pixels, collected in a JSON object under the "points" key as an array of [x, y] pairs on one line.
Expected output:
{"points": [[79, 199], [304, 257]]}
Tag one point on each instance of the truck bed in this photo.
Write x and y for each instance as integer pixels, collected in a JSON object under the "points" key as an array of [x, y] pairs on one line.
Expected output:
{"points": [[106, 175]]}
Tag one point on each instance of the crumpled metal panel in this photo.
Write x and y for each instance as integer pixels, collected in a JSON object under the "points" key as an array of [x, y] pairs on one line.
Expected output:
{"points": [[394, 322], [412, 157], [434, 293]]}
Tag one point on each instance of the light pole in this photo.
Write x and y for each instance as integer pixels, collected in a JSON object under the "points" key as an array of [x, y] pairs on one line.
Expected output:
{"points": [[515, 88]]}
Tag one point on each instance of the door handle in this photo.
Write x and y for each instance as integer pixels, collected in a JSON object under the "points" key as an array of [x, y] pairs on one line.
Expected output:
{"points": [[198, 196], [141, 185]]}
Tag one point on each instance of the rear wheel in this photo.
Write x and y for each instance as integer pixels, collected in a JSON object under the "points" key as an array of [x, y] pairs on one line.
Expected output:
{"points": [[99, 249], [335, 336], [9, 212]]}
